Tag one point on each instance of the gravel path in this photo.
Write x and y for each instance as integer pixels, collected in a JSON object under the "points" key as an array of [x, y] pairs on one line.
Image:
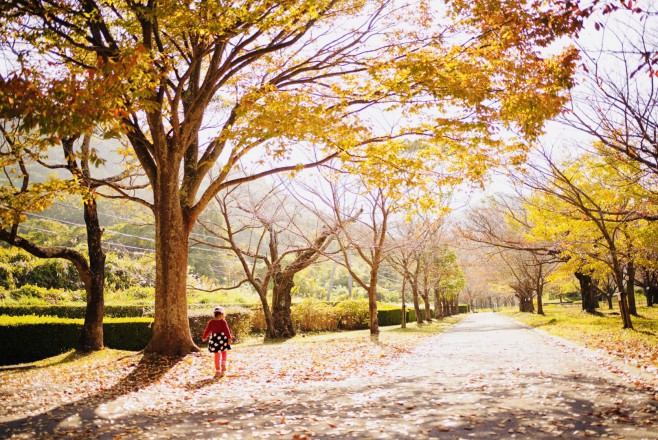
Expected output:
{"points": [[486, 377]]}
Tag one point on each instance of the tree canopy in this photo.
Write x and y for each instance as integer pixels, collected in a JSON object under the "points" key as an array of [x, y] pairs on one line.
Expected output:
{"points": [[209, 95]]}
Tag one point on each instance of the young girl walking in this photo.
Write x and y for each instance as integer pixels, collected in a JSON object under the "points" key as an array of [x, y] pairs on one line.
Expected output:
{"points": [[220, 340]]}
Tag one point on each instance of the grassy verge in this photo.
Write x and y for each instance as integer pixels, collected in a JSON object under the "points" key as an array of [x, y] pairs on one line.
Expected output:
{"points": [[603, 331]]}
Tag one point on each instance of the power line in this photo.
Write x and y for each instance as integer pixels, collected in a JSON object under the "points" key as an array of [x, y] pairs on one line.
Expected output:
{"points": [[114, 232], [135, 250], [84, 226], [127, 220]]}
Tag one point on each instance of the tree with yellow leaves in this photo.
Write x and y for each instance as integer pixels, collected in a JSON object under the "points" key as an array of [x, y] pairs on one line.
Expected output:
{"points": [[596, 215], [255, 87]]}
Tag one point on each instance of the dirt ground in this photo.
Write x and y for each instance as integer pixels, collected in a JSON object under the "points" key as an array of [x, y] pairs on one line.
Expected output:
{"points": [[486, 377]]}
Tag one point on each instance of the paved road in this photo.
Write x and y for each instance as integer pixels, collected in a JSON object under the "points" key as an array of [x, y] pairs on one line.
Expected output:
{"points": [[487, 377]]}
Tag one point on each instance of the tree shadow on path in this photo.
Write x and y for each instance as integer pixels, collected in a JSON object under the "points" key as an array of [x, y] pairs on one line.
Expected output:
{"points": [[405, 408], [148, 371], [438, 404]]}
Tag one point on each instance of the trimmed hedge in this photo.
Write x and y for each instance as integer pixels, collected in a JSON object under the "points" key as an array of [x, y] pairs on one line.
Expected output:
{"points": [[31, 338], [387, 315], [74, 311], [464, 308], [411, 313], [27, 338], [77, 311], [127, 333]]}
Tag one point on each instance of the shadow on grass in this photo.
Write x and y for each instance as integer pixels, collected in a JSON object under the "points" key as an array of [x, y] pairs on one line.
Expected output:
{"points": [[646, 332], [149, 370], [68, 357], [275, 341]]}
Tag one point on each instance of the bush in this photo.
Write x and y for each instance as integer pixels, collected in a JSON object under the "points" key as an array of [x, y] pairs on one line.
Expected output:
{"points": [[353, 314], [138, 293], [122, 273], [240, 297], [30, 338], [6, 277], [315, 315], [464, 308], [53, 274], [258, 323], [312, 315], [27, 291]]}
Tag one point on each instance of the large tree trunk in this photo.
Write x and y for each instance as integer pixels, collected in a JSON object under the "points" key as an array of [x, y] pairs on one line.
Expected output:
{"points": [[630, 288], [624, 311], [623, 300], [91, 337], [428, 307], [652, 296], [92, 329], [590, 302], [372, 305], [632, 306], [171, 328], [525, 304], [267, 313], [540, 304], [540, 292], [414, 294], [649, 296], [445, 307], [437, 304], [283, 326]]}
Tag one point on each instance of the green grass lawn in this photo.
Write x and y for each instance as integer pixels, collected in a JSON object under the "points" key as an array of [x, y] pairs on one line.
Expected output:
{"points": [[602, 331]]}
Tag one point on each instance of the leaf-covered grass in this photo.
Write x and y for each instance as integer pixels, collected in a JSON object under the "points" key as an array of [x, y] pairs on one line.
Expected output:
{"points": [[602, 331]]}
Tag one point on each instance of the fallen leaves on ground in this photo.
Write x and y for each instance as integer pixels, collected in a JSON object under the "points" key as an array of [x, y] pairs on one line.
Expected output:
{"points": [[154, 382]]}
